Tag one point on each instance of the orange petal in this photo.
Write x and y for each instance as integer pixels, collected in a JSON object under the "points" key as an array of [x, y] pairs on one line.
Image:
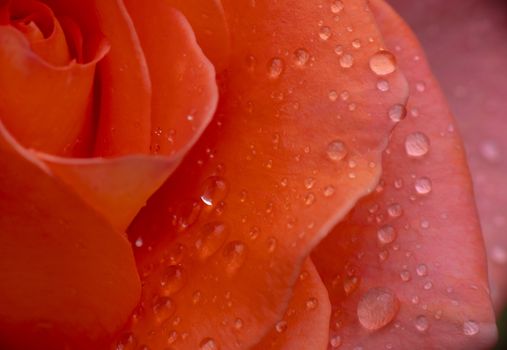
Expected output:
{"points": [[68, 279], [225, 237], [184, 90], [36, 100], [468, 56], [208, 21], [124, 124], [407, 269], [305, 325]]}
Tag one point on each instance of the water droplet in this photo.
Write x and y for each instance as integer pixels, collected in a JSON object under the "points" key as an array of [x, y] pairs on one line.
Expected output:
{"points": [[422, 270], [405, 276], [171, 280], [275, 67], [335, 341], [336, 150], [490, 151], [309, 199], [383, 63], [301, 57], [423, 185], [312, 303], [346, 61], [163, 308], [127, 342], [428, 285], [325, 33], [281, 326], [383, 85], [336, 6], [238, 324], [386, 234], [333, 95], [470, 328], [208, 344], [356, 44], [214, 190], [397, 113], [417, 145], [328, 191], [420, 86], [377, 308], [395, 210], [235, 254], [211, 237], [271, 244], [421, 323]]}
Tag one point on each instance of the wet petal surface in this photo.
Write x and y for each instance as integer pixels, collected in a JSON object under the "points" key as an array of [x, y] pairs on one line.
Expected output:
{"points": [[407, 267]]}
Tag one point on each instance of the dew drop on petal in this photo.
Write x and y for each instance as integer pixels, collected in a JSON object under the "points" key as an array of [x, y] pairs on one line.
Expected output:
{"points": [[422, 270], [312, 303], [421, 323], [470, 328], [336, 6], [377, 308], [275, 67], [235, 254], [325, 33], [383, 85], [346, 61], [386, 234], [336, 150], [397, 113], [208, 344], [301, 57], [211, 237], [417, 145], [383, 63], [171, 280], [423, 185], [335, 341], [281, 326], [214, 190]]}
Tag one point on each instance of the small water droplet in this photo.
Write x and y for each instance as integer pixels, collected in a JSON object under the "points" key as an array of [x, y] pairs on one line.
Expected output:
{"points": [[301, 57], [211, 237], [383, 85], [208, 344], [127, 341], [336, 150], [275, 67], [422, 270], [312, 303], [328, 191], [309, 199], [281, 326], [397, 113], [405, 276], [417, 145], [383, 63], [428, 285], [346, 61], [395, 210], [386, 234], [470, 328], [171, 280], [335, 341], [214, 190], [325, 33], [356, 44], [421, 323], [377, 308], [423, 185], [235, 254], [163, 308], [336, 6]]}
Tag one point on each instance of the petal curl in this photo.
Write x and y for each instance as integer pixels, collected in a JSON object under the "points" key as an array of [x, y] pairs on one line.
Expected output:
{"points": [[470, 37], [68, 278], [416, 243], [305, 325], [226, 236]]}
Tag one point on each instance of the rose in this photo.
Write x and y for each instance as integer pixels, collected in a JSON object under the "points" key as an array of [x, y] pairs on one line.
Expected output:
{"points": [[220, 245]]}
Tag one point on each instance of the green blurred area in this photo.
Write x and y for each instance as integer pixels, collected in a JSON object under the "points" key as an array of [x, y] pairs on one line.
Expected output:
{"points": [[502, 332]]}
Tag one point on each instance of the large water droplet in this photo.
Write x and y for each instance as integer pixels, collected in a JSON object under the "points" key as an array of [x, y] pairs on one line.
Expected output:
{"points": [[421, 323], [163, 308], [377, 308], [275, 67], [386, 234], [211, 237], [423, 185], [171, 280], [214, 190], [336, 150], [470, 328], [417, 145], [208, 344], [383, 63], [397, 113], [235, 254]]}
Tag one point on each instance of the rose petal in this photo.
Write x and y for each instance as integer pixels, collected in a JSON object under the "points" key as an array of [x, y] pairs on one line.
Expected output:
{"points": [[468, 53], [225, 237], [124, 123], [183, 81], [68, 279], [208, 21], [305, 325], [35, 99], [415, 245]]}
